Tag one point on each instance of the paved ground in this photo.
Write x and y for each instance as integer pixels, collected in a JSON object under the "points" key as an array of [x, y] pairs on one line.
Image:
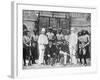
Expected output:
{"points": [[36, 66]]}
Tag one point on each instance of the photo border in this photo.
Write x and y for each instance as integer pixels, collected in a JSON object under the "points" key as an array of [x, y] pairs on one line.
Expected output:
{"points": [[16, 67]]}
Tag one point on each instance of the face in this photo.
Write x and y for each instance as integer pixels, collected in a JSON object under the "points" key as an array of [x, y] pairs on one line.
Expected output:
{"points": [[64, 42], [33, 44], [50, 43], [28, 33], [72, 31], [50, 30], [67, 32], [43, 32], [79, 34]]}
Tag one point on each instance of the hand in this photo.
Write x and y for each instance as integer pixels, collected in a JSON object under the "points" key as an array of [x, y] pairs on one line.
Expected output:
{"points": [[54, 54], [48, 55]]}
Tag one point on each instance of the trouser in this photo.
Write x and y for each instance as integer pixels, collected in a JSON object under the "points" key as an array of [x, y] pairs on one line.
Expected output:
{"points": [[47, 60], [65, 56], [33, 56], [84, 58], [68, 58], [41, 54], [58, 57], [53, 60], [72, 49], [25, 54]]}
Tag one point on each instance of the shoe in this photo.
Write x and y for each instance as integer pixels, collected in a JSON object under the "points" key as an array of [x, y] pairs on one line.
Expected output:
{"points": [[85, 64]]}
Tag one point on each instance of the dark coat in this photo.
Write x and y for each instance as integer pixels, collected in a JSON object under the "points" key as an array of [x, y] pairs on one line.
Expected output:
{"points": [[52, 51]]}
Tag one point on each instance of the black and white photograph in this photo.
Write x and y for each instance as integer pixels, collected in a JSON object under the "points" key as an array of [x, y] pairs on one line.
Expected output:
{"points": [[52, 40], [56, 39]]}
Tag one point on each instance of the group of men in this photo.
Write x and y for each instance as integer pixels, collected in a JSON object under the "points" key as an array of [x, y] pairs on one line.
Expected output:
{"points": [[52, 47]]}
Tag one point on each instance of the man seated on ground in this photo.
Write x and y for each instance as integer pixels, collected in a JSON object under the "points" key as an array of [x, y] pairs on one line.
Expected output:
{"points": [[64, 51], [50, 54]]}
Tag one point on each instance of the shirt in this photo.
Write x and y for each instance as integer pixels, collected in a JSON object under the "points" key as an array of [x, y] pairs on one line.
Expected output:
{"points": [[51, 50], [73, 39], [42, 39], [60, 36], [35, 37], [26, 41], [84, 38], [50, 35], [64, 48], [67, 38]]}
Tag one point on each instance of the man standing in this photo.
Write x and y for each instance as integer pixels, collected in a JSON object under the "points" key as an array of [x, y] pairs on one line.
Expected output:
{"points": [[67, 43], [84, 47], [60, 36], [34, 54], [26, 47], [73, 45], [42, 41]]}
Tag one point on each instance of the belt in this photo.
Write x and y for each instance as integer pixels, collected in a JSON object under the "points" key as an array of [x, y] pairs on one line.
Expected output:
{"points": [[41, 44]]}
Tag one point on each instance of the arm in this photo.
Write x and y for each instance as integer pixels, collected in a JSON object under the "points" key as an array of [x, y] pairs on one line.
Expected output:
{"points": [[24, 41], [46, 40], [39, 39]]}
